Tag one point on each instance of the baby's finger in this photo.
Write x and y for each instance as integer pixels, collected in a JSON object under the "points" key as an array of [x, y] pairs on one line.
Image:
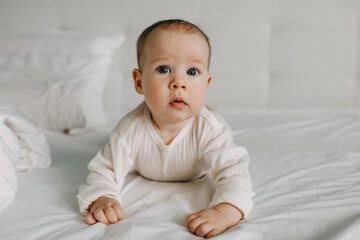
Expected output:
{"points": [[119, 211], [195, 223], [213, 233], [189, 219], [204, 229], [111, 215], [89, 219], [100, 216]]}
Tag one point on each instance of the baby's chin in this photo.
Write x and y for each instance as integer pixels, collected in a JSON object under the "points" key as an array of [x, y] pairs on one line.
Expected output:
{"points": [[179, 115]]}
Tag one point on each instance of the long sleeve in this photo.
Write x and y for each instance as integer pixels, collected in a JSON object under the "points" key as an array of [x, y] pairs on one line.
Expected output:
{"points": [[107, 171], [229, 170]]}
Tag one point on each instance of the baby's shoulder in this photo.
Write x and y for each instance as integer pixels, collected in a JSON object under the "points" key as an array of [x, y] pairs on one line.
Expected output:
{"points": [[214, 132], [212, 125], [130, 120], [211, 119]]}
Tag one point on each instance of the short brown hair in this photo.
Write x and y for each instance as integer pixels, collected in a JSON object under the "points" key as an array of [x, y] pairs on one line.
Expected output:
{"points": [[181, 24]]}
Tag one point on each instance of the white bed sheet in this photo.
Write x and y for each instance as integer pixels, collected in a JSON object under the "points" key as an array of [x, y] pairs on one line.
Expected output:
{"points": [[305, 167]]}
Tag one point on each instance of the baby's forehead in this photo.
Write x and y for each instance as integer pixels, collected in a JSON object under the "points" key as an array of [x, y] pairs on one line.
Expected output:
{"points": [[158, 32], [178, 29]]}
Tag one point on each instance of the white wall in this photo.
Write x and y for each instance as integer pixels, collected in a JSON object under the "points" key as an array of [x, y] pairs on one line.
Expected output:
{"points": [[266, 53]]}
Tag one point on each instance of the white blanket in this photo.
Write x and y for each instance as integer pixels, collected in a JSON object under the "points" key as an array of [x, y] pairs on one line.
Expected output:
{"points": [[305, 168], [23, 147]]}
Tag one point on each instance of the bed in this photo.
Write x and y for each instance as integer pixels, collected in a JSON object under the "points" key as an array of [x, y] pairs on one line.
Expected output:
{"points": [[304, 165], [292, 102]]}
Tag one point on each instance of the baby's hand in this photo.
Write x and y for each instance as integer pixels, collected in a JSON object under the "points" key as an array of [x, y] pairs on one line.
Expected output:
{"points": [[213, 221], [105, 210]]}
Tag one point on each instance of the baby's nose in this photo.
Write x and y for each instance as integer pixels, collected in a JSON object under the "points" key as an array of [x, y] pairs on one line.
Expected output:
{"points": [[178, 83]]}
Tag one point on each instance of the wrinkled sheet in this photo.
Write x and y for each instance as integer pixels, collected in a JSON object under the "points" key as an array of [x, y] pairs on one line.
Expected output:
{"points": [[23, 147], [305, 168]]}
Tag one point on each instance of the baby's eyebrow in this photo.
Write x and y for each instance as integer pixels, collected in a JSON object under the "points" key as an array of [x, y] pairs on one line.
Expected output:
{"points": [[190, 60], [198, 61], [158, 59]]}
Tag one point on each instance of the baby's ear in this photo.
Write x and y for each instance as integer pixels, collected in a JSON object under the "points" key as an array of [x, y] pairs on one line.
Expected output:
{"points": [[137, 80], [209, 79]]}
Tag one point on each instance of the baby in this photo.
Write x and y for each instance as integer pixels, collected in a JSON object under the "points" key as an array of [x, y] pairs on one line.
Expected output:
{"points": [[171, 136]]}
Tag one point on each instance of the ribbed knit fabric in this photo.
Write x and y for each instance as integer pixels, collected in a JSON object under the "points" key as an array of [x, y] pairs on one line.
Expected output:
{"points": [[204, 143]]}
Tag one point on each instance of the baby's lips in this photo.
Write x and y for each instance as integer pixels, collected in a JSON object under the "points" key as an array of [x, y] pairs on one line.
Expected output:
{"points": [[178, 103], [178, 100]]}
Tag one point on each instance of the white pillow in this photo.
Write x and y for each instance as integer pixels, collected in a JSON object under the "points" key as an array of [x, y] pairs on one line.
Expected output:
{"points": [[56, 78]]}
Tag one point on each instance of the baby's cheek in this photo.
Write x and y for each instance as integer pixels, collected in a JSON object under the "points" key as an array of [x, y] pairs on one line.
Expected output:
{"points": [[155, 99], [199, 97]]}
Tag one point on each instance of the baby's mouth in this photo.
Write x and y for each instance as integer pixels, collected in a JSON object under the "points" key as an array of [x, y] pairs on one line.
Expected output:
{"points": [[178, 103]]}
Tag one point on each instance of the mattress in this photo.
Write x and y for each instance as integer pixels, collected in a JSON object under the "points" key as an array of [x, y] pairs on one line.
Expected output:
{"points": [[304, 164]]}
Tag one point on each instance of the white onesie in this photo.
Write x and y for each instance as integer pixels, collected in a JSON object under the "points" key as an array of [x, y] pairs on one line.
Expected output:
{"points": [[204, 143]]}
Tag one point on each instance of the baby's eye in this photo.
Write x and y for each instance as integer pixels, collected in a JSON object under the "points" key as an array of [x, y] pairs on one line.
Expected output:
{"points": [[163, 69], [192, 72]]}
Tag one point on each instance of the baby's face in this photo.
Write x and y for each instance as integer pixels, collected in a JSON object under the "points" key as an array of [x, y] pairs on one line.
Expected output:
{"points": [[174, 74]]}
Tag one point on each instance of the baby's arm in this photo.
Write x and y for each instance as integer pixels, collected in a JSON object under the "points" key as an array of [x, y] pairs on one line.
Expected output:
{"points": [[105, 210], [232, 200], [213, 221], [100, 197]]}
